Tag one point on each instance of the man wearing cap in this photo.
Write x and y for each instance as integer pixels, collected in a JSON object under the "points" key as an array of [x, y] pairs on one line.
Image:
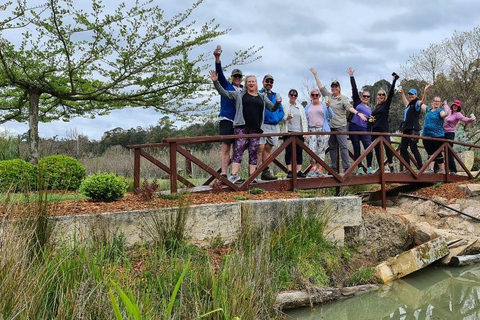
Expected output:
{"points": [[271, 124], [227, 108], [340, 106], [411, 124]]}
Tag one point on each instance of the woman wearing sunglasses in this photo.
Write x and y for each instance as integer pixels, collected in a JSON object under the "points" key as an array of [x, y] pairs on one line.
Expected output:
{"points": [[318, 114], [361, 104], [294, 120], [433, 128], [250, 108], [379, 120], [454, 116]]}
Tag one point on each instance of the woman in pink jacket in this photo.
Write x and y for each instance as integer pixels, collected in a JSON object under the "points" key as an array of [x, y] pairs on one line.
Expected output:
{"points": [[454, 116]]}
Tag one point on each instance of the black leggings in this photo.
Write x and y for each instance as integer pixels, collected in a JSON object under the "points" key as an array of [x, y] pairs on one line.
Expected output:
{"points": [[412, 143], [431, 147], [387, 150], [298, 149]]}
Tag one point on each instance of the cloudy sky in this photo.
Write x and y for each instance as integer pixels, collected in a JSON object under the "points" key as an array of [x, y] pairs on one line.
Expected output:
{"points": [[373, 37]]}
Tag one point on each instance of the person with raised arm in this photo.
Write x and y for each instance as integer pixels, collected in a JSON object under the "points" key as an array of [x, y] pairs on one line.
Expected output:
{"points": [[453, 118], [227, 108], [340, 106], [433, 128], [411, 124], [379, 120], [361, 104], [318, 116], [250, 108]]}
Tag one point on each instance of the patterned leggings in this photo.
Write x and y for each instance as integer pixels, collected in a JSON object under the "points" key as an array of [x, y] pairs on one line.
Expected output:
{"points": [[318, 144], [241, 144]]}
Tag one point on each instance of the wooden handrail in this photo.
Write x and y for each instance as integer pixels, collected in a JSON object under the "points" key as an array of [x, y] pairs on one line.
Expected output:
{"points": [[175, 145]]}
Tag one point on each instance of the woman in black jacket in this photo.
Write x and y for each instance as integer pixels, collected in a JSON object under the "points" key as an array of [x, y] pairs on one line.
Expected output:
{"points": [[379, 120]]}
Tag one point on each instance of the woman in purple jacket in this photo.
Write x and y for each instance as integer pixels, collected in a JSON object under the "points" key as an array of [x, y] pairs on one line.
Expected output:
{"points": [[361, 104], [454, 117]]}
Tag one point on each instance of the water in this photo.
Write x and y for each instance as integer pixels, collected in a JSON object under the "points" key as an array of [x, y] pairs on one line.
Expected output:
{"points": [[433, 293]]}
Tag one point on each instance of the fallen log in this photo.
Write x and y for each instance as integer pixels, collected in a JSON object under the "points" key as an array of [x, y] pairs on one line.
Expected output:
{"points": [[459, 261], [297, 299]]}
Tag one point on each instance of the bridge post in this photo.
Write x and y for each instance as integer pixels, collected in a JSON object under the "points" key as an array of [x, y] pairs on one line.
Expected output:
{"points": [[382, 172], [173, 167], [136, 171], [294, 162]]}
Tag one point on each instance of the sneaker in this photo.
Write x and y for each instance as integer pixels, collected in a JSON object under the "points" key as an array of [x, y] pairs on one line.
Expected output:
{"points": [[234, 178], [268, 175], [441, 171], [289, 175], [255, 180], [300, 174], [319, 174], [392, 169], [312, 173], [429, 171], [370, 170], [453, 172], [360, 171]]}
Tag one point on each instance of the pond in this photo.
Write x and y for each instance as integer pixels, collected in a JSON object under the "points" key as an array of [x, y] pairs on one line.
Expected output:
{"points": [[432, 293]]}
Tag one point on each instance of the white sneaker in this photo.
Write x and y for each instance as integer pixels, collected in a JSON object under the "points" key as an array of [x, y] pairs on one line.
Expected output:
{"points": [[234, 178]]}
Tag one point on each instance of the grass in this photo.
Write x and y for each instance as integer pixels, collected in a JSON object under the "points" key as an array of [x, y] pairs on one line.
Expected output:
{"points": [[34, 197], [167, 278]]}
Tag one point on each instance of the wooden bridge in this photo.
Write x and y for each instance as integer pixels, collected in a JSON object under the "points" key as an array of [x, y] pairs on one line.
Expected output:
{"points": [[406, 175]]}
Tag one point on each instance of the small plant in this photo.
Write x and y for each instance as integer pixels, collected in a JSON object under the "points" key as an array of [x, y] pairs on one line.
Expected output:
{"points": [[103, 187], [256, 191], [60, 172], [170, 196], [240, 198], [148, 190], [362, 276], [437, 185]]}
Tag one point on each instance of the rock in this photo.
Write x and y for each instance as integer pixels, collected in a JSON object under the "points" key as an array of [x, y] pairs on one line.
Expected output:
{"points": [[383, 235], [472, 211], [472, 190], [412, 260], [445, 212], [423, 208], [468, 159], [423, 232]]}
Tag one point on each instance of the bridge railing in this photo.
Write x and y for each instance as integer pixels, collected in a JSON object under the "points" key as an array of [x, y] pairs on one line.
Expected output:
{"points": [[178, 147]]}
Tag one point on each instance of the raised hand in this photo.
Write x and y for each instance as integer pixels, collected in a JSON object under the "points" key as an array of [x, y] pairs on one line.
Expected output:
{"points": [[213, 75], [279, 99], [218, 51], [314, 71], [350, 71]]}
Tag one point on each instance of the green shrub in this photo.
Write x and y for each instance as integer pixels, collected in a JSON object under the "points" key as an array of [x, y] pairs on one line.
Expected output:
{"points": [[16, 175], [103, 187], [60, 172]]}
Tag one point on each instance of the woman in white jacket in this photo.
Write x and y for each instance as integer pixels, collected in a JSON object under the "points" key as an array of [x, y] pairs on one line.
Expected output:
{"points": [[294, 120]]}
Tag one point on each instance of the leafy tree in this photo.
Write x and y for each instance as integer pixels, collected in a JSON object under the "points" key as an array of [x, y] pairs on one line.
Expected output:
{"points": [[58, 61]]}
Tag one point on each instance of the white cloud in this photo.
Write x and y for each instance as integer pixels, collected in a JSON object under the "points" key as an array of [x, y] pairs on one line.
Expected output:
{"points": [[374, 38]]}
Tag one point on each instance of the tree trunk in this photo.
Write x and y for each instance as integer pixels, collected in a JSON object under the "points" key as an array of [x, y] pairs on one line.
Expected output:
{"points": [[297, 299], [33, 139], [458, 261]]}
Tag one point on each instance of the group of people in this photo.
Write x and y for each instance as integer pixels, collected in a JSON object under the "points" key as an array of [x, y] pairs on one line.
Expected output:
{"points": [[244, 109]]}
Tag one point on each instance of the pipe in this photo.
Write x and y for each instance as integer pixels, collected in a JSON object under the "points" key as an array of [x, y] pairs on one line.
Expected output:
{"points": [[441, 204]]}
